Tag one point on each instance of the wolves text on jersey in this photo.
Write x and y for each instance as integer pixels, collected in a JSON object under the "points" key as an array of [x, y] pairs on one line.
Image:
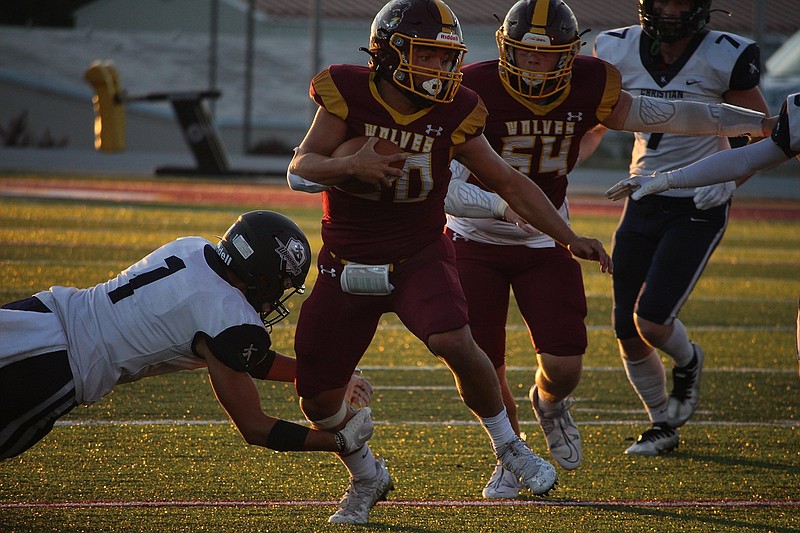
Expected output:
{"points": [[409, 141], [540, 127]]}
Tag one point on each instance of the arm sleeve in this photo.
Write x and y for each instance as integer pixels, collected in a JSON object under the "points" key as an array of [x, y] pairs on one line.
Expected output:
{"points": [[467, 200], [654, 115], [727, 165], [296, 183]]}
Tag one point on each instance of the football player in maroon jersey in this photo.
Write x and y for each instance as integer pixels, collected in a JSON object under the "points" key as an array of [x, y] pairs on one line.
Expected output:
{"points": [[542, 98], [384, 251]]}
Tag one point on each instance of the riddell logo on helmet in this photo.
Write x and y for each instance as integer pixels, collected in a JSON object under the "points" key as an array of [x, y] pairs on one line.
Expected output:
{"points": [[533, 38], [449, 37], [225, 256]]}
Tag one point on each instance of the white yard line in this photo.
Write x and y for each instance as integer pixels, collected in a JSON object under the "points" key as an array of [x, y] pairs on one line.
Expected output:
{"points": [[177, 422], [704, 503]]}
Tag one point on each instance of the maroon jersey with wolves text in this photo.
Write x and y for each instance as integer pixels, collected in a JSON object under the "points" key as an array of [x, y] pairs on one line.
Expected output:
{"points": [[391, 225], [543, 140]]}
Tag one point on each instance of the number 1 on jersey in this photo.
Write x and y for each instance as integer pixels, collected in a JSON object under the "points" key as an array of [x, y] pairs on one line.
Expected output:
{"points": [[174, 264]]}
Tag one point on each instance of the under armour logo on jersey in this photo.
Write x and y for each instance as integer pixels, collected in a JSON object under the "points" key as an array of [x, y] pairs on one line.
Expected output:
{"points": [[249, 351], [331, 272], [430, 130], [574, 117], [459, 237]]}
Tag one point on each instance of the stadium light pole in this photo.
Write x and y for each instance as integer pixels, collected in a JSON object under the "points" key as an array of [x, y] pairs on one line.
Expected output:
{"points": [[760, 16], [213, 47], [315, 60], [248, 77]]}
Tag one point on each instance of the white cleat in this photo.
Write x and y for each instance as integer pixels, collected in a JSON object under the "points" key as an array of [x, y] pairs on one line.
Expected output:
{"points": [[563, 438], [503, 484], [362, 495], [533, 471]]}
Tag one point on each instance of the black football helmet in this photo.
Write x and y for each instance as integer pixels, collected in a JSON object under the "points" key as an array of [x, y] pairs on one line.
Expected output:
{"points": [[403, 26], [671, 29], [542, 26], [271, 254]]}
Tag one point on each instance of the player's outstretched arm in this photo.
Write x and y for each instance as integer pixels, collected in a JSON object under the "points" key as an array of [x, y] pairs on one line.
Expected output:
{"points": [[527, 199], [720, 167], [657, 115], [238, 395]]}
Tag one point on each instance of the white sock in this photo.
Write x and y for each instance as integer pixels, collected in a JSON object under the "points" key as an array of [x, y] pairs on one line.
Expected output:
{"points": [[649, 380], [678, 345], [360, 464], [548, 409], [499, 429]]}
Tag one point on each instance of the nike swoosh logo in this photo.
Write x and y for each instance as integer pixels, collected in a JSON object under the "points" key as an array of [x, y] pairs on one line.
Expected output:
{"points": [[692, 82], [692, 219]]}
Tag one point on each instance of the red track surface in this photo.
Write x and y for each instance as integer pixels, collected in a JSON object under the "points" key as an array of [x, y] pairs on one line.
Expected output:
{"points": [[275, 193]]}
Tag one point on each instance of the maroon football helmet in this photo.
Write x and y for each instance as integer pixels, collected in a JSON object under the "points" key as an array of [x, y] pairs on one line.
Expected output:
{"points": [[540, 26], [399, 30]]}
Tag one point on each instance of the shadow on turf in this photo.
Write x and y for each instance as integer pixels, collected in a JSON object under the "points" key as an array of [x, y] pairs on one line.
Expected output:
{"points": [[715, 524], [728, 460]]}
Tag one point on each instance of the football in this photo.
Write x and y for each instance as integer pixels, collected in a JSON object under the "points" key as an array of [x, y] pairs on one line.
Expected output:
{"points": [[351, 146]]}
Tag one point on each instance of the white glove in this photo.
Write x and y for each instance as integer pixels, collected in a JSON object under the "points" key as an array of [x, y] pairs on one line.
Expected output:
{"points": [[638, 186], [356, 432], [713, 195], [359, 391]]}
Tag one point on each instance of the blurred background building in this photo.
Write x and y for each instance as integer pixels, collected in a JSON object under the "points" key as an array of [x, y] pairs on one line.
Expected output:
{"points": [[260, 54]]}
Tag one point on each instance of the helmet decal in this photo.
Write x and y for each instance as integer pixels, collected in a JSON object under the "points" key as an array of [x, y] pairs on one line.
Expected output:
{"points": [[396, 15], [293, 255]]}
